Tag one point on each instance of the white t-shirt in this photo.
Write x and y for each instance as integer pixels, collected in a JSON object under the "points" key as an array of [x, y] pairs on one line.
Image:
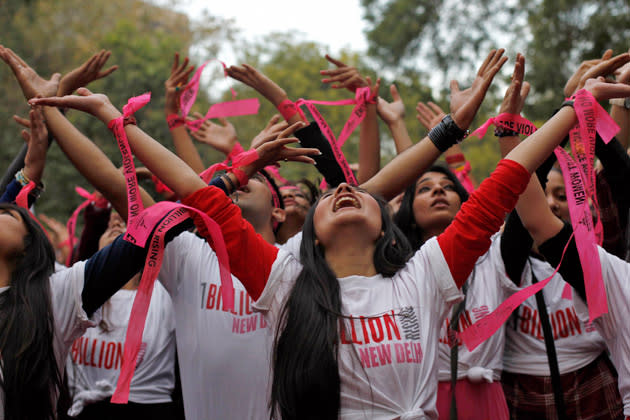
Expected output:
{"points": [[223, 356], [488, 287], [395, 343], [71, 321], [577, 343], [95, 359], [614, 326]]}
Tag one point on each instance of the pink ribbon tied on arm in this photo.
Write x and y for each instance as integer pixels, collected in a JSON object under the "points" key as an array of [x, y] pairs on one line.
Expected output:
{"points": [[579, 179], [159, 219], [231, 108], [508, 121], [72, 221], [463, 177], [22, 201]]}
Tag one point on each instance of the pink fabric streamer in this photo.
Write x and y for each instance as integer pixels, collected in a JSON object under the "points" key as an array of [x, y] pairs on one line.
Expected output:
{"points": [[241, 159], [72, 221], [567, 292], [22, 201], [483, 329], [464, 178], [508, 121], [363, 96], [273, 171], [579, 179], [140, 224], [231, 108], [169, 215]]}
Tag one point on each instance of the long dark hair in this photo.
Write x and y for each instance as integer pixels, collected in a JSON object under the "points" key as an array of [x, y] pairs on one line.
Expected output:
{"points": [[406, 220], [306, 382], [30, 375]]}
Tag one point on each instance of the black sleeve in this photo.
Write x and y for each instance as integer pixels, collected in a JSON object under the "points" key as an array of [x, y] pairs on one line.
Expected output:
{"points": [[516, 243], [616, 164], [218, 182], [326, 164], [113, 266], [571, 268]]}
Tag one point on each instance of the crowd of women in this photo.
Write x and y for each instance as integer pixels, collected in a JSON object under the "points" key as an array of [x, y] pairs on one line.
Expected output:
{"points": [[353, 300]]}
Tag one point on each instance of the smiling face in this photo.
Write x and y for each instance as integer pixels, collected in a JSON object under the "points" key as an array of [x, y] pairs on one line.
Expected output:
{"points": [[296, 204], [346, 208], [435, 203]]}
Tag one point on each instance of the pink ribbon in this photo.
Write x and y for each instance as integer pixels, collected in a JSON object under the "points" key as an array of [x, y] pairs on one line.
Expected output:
{"points": [[171, 214], [508, 121], [579, 179], [140, 224], [363, 96], [483, 329], [464, 178], [72, 221], [22, 201], [273, 170], [231, 108], [242, 159]]}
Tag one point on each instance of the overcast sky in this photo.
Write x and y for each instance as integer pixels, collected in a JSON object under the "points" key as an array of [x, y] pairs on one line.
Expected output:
{"points": [[336, 23]]}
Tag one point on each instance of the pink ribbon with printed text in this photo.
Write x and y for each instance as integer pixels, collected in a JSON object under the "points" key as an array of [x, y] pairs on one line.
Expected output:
{"points": [[231, 108], [508, 121], [363, 96]]}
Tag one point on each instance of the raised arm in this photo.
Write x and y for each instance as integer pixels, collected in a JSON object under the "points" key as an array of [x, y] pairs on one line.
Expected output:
{"points": [[393, 114], [407, 166], [184, 146]]}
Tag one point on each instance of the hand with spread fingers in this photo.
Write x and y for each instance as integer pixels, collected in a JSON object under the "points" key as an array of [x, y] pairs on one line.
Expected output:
{"points": [[343, 76], [30, 82], [517, 92], [175, 83], [275, 148], [466, 103], [271, 131], [37, 139], [96, 104], [429, 114], [86, 73], [220, 136], [391, 112]]}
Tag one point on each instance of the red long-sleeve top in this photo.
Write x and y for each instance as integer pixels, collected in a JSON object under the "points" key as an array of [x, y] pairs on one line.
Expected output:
{"points": [[462, 243]]}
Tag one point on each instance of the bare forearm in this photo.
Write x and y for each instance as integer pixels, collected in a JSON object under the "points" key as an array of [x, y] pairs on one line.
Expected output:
{"points": [[400, 136], [369, 145], [90, 161], [186, 150], [163, 163], [403, 169], [621, 116]]}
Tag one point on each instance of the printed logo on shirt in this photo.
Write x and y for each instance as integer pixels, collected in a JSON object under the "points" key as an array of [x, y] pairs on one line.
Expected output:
{"points": [[245, 320], [101, 354], [384, 340], [564, 323]]}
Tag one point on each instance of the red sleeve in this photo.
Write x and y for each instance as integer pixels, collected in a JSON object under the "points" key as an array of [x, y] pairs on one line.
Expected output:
{"points": [[468, 237], [251, 257]]}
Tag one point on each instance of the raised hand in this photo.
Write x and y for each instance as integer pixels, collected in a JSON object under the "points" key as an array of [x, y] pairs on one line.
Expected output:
{"points": [[343, 76], [258, 81], [30, 82], [86, 73], [603, 89], [221, 136], [96, 104], [178, 79], [429, 114], [37, 139], [271, 131], [466, 103], [393, 111], [275, 149], [594, 68], [518, 90]]}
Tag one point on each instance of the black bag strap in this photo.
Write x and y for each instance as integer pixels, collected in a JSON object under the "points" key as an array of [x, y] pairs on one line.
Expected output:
{"points": [[550, 346]]}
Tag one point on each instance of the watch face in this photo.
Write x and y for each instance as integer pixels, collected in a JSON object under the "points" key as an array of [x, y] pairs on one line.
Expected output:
{"points": [[626, 103]]}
